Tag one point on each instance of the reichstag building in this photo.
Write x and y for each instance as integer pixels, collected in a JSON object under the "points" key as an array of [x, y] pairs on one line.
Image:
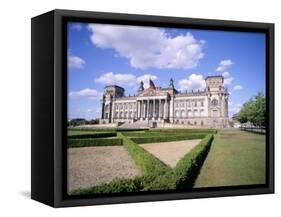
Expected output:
{"points": [[166, 106]]}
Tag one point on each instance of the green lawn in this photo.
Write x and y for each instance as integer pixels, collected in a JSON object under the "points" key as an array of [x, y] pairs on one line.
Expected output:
{"points": [[235, 158]]}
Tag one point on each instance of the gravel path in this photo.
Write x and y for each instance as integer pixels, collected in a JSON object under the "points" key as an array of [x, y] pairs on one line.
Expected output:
{"points": [[91, 166], [170, 152]]}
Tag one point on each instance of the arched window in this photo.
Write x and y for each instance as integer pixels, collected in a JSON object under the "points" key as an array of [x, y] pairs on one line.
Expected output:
{"points": [[214, 102], [183, 114], [195, 113], [177, 114], [189, 113]]}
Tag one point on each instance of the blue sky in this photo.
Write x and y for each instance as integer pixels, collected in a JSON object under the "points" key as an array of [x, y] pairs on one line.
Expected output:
{"points": [[100, 54]]}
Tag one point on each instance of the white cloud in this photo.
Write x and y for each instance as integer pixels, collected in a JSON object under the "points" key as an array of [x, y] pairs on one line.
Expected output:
{"points": [[75, 62], [145, 78], [193, 82], [228, 81], [227, 78], [76, 26], [238, 87], [111, 78], [226, 74], [149, 46], [224, 65], [87, 93]]}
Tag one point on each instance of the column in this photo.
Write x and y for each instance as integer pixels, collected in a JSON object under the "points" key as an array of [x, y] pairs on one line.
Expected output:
{"points": [[147, 109], [220, 103], [165, 109], [162, 109], [123, 110], [154, 110], [185, 109], [144, 109], [157, 110], [141, 109], [171, 110], [112, 112], [137, 110]]}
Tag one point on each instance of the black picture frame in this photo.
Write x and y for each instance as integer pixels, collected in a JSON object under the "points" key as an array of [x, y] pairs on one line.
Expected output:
{"points": [[49, 106]]}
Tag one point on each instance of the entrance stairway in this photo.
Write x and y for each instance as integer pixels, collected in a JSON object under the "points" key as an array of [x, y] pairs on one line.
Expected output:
{"points": [[137, 124]]}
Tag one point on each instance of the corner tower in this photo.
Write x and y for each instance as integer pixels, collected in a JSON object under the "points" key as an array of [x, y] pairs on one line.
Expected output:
{"points": [[107, 102], [217, 98]]}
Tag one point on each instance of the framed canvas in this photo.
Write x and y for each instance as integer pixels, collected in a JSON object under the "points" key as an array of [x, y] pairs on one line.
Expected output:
{"points": [[134, 108]]}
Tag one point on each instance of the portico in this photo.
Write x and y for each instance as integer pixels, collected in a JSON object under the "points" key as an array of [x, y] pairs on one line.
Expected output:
{"points": [[152, 108]]}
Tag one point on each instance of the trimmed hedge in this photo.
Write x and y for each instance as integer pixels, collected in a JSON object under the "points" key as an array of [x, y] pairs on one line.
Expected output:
{"points": [[203, 131], [164, 138], [76, 143], [155, 134], [93, 135], [115, 186], [107, 129], [92, 129], [131, 129], [156, 175], [186, 171], [151, 166]]}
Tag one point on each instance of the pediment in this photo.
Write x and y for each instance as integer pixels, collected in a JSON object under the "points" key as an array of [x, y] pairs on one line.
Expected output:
{"points": [[152, 92]]}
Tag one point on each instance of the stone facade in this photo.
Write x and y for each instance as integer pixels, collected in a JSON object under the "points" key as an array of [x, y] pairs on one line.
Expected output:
{"points": [[157, 105]]}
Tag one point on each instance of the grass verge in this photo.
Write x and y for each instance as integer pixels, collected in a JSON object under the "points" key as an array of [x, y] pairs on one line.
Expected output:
{"points": [[235, 158]]}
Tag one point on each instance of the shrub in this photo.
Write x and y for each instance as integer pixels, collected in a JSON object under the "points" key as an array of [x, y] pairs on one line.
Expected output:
{"points": [[142, 140], [151, 166], [154, 134], [130, 129], [92, 135], [156, 175], [92, 129], [203, 131], [184, 174], [115, 186], [76, 143]]}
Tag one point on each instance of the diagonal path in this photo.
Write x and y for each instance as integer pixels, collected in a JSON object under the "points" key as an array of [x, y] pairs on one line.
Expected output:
{"points": [[171, 152]]}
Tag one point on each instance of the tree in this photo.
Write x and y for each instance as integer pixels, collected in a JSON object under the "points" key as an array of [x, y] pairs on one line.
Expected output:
{"points": [[254, 110], [77, 122]]}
